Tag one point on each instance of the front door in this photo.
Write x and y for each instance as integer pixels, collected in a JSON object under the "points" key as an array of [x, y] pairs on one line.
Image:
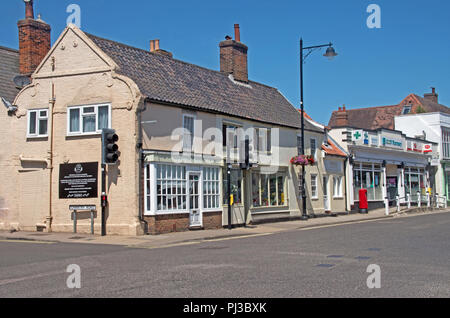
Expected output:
{"points": [[194, 200], [392, 188], [326, 197]]}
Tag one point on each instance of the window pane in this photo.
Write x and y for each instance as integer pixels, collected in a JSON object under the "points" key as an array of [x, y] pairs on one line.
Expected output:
{"points": [[273, 190], [103, 117], [43, 127], [32, 129], [264, 190], [74, 120], [88, 110], [281, 195], [88, 124], [255, 190]]}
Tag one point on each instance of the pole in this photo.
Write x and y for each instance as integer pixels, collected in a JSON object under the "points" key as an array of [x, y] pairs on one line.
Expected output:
{"points": [[103, 203], [304, 214], [230, 220]]}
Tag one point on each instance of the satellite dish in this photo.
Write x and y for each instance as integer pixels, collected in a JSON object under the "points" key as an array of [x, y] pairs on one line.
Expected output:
{"points": [[21, 81]]}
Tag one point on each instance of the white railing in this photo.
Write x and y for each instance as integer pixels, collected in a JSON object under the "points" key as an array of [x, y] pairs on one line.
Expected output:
{"points": [[439, 202]]}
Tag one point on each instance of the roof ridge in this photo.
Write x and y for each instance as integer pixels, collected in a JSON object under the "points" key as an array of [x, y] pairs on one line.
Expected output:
{"points": [[8, 49], [171, 58]]}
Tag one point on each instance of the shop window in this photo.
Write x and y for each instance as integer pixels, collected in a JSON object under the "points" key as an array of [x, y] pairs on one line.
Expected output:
{"points": [[211, 188], [236, 186], [367, 176], [268, 190], [171, 188], [37, 123]]}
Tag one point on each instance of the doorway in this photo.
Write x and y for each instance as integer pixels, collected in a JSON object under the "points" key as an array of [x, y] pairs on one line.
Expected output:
{"points": [[326, 196], [195, 215]]}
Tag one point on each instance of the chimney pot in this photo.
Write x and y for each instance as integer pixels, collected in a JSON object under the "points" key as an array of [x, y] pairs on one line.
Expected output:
{"points": [[237, 33], [29, 11], [152, 45], [156, 45]]}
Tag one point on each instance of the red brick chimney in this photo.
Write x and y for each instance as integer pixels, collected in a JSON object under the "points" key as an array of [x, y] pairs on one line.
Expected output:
{"points": [[233, 56], [34, 40], [433, 97], [341, 117]]}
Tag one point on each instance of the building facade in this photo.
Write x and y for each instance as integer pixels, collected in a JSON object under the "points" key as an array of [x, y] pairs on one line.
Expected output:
{"points": [[387, 164], [181, 128], [434, 127]]}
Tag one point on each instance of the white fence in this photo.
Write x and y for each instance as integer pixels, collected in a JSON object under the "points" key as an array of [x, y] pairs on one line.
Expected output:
{"points": [[421, 201]]}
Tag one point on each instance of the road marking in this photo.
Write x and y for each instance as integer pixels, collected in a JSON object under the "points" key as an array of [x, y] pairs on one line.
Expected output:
{"points": [[21, 279], [26, 242], [338, 224]]}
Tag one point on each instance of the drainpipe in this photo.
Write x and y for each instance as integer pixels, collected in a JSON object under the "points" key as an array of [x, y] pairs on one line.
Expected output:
{"points": [[345, 183], [49, 218], [139, 146]]}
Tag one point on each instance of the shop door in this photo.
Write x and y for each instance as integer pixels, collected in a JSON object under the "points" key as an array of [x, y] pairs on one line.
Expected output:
{"points": [[392, 188], [326, 196], [194, 200]]}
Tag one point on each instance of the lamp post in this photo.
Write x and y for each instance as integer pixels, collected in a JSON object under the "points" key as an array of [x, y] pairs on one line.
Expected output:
{"points": [[330, 54]]}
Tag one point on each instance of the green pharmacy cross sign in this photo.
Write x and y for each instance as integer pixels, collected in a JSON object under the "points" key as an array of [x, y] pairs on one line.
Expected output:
{"points": [[357, 135]]}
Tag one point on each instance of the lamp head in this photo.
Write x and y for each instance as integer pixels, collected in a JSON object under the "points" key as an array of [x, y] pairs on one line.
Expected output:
{"points": [[330, 53]]}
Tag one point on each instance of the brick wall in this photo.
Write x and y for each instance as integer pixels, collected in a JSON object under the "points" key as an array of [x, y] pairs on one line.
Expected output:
{"points": [[162, 224], [233, 59], [212, 220]]}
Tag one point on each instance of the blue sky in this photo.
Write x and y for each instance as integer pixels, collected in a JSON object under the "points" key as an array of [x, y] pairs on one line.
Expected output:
{"points": [[375, 67]]}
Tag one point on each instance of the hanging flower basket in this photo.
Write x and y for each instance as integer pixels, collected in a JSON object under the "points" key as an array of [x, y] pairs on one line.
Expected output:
{"points": [[303, 161]]}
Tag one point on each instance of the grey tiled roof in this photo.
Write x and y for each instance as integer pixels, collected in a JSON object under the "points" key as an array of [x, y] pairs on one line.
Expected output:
{"points": [[168, 80], [9, 68]]}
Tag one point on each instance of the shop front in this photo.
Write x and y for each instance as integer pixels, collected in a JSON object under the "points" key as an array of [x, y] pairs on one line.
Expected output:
{"points": [[388, 164]]}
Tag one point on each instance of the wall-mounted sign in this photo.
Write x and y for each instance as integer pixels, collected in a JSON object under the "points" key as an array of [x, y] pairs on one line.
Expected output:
{"points": [[78, 181], [427, 148], [334, 166], [392, 143], [357, 135]]}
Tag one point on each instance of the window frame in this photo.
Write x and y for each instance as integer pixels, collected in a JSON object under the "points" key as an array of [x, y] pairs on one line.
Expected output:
{"points": [[38, 119], [337, 187], [277, 176], [218, 193], [82, 115], [315, 192], [185, 148], [315, 146]]}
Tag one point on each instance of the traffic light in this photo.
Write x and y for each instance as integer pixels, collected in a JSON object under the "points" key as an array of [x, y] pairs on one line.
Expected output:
{"points": [[110, 150]]}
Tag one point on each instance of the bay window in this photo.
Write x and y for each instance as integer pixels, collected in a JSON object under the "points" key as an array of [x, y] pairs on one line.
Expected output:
{"points": [[171, 187], [88, 119]]}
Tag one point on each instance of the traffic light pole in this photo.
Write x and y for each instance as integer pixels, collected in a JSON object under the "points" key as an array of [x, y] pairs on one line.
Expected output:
{"points": [[103, 200]]}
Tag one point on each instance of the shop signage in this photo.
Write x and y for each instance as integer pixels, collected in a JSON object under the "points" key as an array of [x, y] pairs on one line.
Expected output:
{"points": [[357, 135], [392, 143], [427, 148], [333, 166], [78, 180]]}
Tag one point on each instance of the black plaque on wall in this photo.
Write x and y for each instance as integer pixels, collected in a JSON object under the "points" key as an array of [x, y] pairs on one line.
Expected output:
{"points": [[78, 180]]}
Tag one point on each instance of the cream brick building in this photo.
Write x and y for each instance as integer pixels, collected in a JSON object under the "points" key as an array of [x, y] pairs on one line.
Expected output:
{"points": [[176, 122]]}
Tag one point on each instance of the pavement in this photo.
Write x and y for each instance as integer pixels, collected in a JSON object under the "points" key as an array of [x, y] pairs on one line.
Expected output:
{"points": [[193, 237]]}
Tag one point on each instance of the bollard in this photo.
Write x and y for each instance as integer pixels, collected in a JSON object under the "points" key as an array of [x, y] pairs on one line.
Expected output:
{"points": [[408, 197], [419, 199], [428, 200], [386, 203], [398, 203], [437, 201]]}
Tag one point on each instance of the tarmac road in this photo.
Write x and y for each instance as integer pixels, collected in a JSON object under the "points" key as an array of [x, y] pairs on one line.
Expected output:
{"points": [[412, 252]]}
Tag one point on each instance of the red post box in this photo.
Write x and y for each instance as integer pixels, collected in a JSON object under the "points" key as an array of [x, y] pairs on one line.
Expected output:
{"points": [[363, 202]]}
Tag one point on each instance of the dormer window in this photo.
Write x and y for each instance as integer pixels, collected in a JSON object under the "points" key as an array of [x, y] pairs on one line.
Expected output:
{"points": [[407, 110]]}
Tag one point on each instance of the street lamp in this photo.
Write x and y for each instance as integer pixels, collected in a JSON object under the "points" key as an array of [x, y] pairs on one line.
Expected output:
{"points": [[330, 54]]}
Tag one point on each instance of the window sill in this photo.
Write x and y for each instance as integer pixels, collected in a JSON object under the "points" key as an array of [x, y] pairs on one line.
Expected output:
{"points": [[85, 134], [38, 137]]}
